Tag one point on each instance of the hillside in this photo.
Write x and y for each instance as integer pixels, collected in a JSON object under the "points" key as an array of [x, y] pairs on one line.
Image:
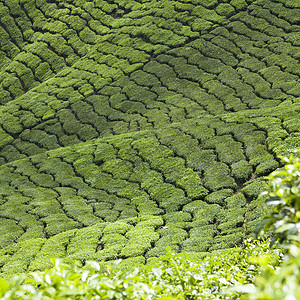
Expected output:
{"points": [[127, 126]]}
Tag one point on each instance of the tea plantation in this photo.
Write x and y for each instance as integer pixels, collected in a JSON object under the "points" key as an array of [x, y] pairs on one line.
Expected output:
{"points": [[127, 126]]}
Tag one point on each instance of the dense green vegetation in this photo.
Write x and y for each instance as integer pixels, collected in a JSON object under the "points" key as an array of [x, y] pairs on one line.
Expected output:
{"points": [[174, 276], [283, 220], [254, 271], [130, 126]]}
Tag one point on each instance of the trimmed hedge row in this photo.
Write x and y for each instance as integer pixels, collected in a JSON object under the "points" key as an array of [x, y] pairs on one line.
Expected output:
{"points": [[83, 71], [142, 189]]}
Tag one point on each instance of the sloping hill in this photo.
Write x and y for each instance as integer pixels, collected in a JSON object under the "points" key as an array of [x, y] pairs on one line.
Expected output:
{"points": [[127, 126]]}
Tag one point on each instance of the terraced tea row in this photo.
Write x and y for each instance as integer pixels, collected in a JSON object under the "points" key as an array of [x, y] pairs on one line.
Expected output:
{"points": [[252, 61], [197, 181]]}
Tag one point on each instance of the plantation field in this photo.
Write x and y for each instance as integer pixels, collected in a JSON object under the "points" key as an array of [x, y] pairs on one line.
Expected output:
{"points": [[130, 126]]}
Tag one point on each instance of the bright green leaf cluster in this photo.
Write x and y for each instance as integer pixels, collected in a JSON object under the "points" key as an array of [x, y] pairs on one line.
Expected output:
{"points": [[282, 282], [284, 196], [173, 276]]}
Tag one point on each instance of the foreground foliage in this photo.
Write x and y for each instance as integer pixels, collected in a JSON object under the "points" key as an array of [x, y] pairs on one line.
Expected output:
{"points": [[284, 282], [174, 276], [284, 197], [279, 283]]}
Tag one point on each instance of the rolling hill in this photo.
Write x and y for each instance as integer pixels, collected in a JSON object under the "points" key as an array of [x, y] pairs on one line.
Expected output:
{"points": [[127, 126]]}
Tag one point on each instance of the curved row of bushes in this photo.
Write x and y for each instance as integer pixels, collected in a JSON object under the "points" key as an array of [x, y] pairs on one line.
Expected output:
{"points": [[254, 271]]}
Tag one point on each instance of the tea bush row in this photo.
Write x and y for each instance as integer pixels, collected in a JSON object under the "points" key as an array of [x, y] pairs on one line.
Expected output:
{"points": [[252, 272], [221, 275], [80, 186], [205, 73], [60, 38], [145, 236]]}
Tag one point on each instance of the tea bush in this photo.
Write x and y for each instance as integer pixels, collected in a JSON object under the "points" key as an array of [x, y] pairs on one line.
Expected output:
{"points": [[254, 271], [221, 275], [282, 220], [284, 198]]}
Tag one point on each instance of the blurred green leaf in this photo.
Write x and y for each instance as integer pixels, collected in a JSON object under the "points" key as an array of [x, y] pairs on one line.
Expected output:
{"points": [[4, 286]]}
